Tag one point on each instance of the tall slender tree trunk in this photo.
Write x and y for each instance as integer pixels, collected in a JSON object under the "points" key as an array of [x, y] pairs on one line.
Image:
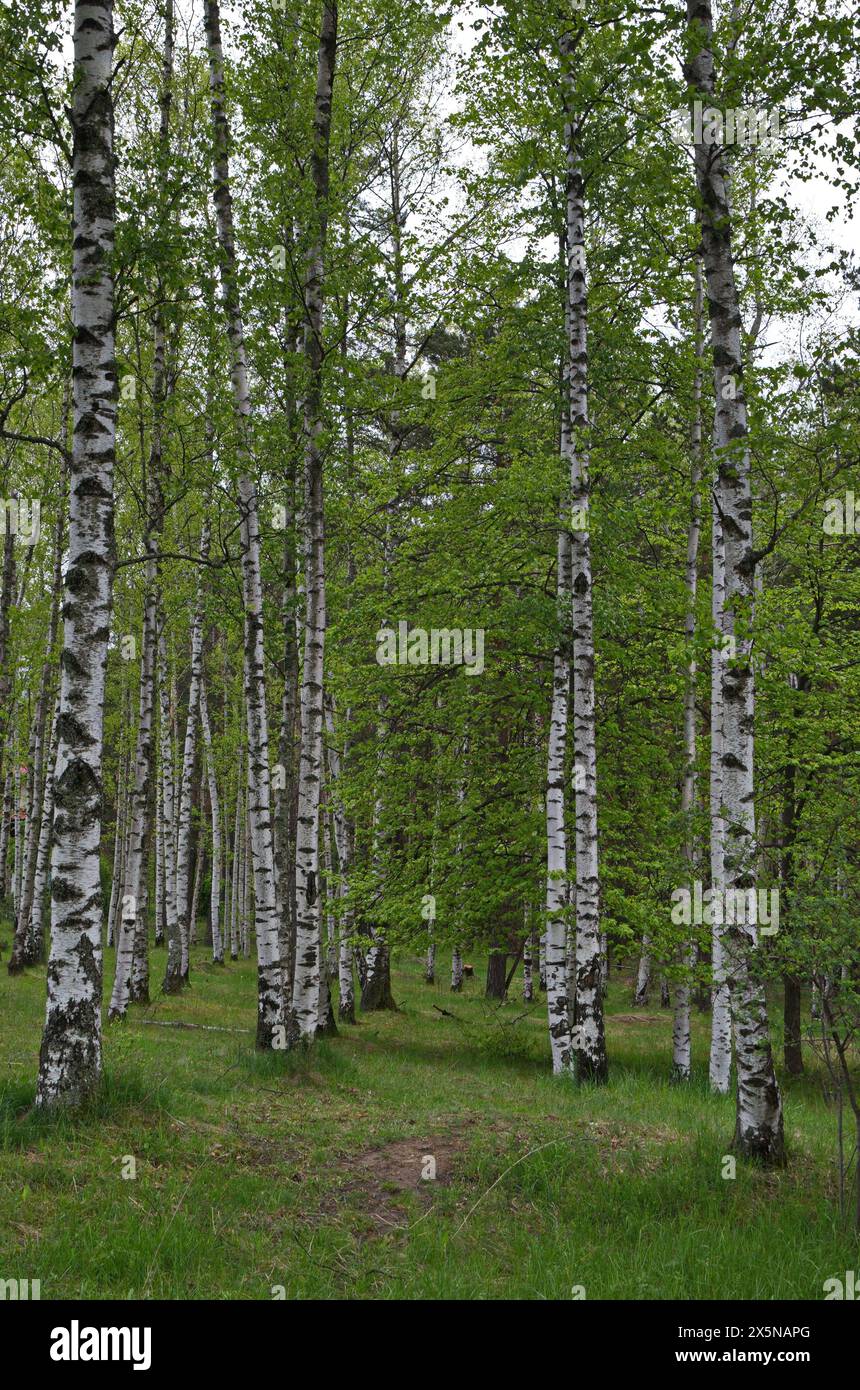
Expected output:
{"points": [[681, 1036], [70, 1055], [343, 841], [236, 867], [308, 992], [118, 841], [5, 829], [172, 982], [247, 883], [22, 778], [160, 920], [138, 861], [270, 1003], [215, 809], [791, 810], [720, 1063], [43, 859], [376, 990], [7, 600], [286, 792], [556, 864], [186, 786], [132, 920], [759, 1125], [25, 951], [589, 1044]]}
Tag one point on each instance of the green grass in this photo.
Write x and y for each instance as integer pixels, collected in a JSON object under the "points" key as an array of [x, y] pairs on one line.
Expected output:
{"points": [[304, 1170]]}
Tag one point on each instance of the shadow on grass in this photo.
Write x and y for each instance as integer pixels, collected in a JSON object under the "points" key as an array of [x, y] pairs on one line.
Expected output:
{"points": [[119, 1093]]}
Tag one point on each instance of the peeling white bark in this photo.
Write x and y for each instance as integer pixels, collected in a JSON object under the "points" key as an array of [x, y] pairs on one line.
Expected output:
{"points": [[159, 866], [236, 865], [343, 838], [456, 970], [528, 957], [215, 809], [589, 1045], [759, 1126], [270, 1003], [183, 853], [720, 1063], [173, 970], [556, 877], [643, 974], [70, 1056], [309, 1001]]}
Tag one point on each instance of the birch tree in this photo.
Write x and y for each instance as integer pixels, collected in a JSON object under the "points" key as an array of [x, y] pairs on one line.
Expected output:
{"points": [[556, 864], [681, 1038], [759, 1127], [308, 990], [183, 859], [70, 1055], [343, 838], [215, 811], [589, 1046], [172, 982], [26, 950], [269, 981]]}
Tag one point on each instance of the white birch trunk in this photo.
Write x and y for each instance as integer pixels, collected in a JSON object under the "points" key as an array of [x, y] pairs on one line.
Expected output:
{"points": [[759, 1126], [331, 950], [8, 790], [681, 1036], [215, 808], [343, 833], [7, 593], [589, 1045], [70, 1056], [159, 865], [245, 928], [137, 884], [40, 882], [236, 867], [643, 975], [456, 955], [270, 1003], [556, 864], [456, 970], [528, 958], [183, 852], [22, 776], [118, 843], [570, 961], [308, 992], [195, 892], [720, 1063], [172, 982], [132, 920]]}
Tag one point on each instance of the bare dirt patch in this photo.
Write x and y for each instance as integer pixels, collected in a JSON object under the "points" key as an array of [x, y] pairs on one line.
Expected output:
{"points": [[402, 1163], [387, 1177]]}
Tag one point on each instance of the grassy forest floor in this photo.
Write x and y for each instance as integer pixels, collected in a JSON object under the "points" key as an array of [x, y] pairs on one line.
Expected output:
{"points": [[306, 1170]]}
